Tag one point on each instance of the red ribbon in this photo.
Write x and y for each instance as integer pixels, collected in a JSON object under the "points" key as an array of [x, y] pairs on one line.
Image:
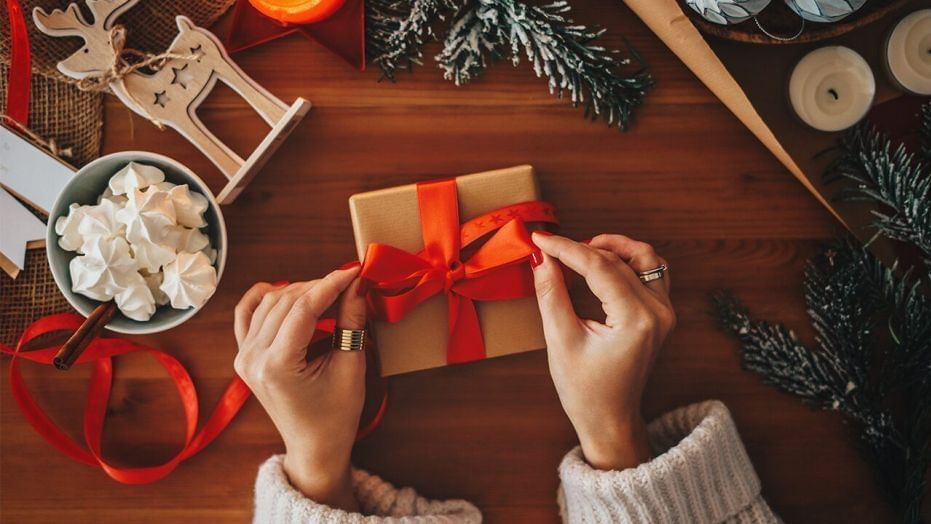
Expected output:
{"points": [[17, 91], [397, 281], [100, 353]]}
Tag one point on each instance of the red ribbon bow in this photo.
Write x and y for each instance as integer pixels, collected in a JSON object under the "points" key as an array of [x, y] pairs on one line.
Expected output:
{"points": [[397, 281]]}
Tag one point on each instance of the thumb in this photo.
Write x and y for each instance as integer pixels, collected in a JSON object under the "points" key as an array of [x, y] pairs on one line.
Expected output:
{"points": [[560, 322], [350, 315]]}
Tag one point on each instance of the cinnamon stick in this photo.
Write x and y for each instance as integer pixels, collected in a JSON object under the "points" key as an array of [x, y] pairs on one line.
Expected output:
{"points": [[92, 326]]}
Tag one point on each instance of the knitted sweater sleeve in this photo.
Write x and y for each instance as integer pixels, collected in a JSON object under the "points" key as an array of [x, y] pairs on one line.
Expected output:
{"points": [[276, 501], [701, 474]]}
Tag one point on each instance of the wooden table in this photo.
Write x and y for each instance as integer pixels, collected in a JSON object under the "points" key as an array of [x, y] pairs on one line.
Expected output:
{"points": [[688, 178]]}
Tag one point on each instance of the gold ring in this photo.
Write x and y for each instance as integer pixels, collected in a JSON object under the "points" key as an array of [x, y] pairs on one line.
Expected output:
{"points": [[349, 339], [652, 274]]}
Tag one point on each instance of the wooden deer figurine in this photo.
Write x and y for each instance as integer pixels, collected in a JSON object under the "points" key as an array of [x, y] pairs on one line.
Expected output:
{"points": [[171, 94]]}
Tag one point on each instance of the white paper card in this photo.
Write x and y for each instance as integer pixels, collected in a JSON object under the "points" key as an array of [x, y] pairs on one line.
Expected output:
{"points": [[29, 172], [17, 227]]}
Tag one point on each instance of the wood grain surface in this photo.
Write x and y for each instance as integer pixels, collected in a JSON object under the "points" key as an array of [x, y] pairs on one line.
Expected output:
{"points": [[687, 178]]}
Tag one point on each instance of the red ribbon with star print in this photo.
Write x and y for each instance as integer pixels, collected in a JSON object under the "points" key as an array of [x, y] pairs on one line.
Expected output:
{"points": [[396, 281]]}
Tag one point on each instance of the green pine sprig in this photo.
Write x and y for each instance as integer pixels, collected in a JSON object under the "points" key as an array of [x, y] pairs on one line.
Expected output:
{"points": [[872, 361], [608, 86], [892, 177], [397, 29]]}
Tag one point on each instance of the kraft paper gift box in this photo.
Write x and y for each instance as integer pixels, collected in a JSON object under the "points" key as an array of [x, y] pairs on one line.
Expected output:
{"points": [[420, 340]]}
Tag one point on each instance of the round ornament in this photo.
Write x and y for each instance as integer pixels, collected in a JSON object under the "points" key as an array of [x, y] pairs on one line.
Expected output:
{"points": [[908, 52], [825, 11], [727, 11], [832, 88]]}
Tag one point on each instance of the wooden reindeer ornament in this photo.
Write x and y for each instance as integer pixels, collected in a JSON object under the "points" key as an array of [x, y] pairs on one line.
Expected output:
{"points": [[178, 81]]}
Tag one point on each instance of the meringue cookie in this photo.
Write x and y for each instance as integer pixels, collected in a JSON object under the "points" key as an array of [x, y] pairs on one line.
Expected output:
{"points": [[149, 216], [211, 254], [136, 300], [189, 206], [67, 228], [189, 280], [187, 239], [104, 271], [153, 280], [99, 222], [135, 176], [119, 200]]}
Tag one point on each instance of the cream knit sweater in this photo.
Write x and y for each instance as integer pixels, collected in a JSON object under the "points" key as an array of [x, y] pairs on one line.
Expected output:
{"points": [[701, 473]]}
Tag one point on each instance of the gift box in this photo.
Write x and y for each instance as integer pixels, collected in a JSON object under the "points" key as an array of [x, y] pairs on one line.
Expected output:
{"points": [[442, 264]]}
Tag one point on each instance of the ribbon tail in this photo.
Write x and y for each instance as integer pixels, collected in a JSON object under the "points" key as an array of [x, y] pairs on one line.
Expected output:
{"points": [[465, 334]]}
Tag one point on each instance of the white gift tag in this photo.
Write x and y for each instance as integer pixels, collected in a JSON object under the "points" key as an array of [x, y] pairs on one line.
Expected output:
{"points": [[17, 228], [29, 172]]}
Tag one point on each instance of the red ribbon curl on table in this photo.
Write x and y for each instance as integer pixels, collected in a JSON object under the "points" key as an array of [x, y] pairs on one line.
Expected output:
{"points": [[100, 353], [397, 281]]}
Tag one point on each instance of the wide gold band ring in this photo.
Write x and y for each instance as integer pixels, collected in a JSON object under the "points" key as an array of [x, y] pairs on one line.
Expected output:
{"points": [[349, 339]]}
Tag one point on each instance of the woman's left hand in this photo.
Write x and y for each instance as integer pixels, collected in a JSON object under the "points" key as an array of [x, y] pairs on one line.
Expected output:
{"points": [[315, 405]]}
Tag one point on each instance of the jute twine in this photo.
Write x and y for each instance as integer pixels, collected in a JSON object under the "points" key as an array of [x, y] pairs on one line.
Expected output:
{"points": [[61, 113]]}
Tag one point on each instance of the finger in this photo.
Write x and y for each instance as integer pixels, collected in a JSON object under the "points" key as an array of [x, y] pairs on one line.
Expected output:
{"points": [[242, 316], [560, 322], [351, 314], [603, 277], [272, 321], [640, 256], [350, 365], [300, 322]]}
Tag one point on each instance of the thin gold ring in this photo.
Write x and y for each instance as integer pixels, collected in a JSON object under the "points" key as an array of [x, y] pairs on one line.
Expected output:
{"points": [[348, 339], [653, 274]]}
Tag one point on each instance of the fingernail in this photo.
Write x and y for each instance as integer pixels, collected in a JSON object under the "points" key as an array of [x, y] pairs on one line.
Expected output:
{"points": [[544, 233], [536, 258], [280, 283], [350, 265]]}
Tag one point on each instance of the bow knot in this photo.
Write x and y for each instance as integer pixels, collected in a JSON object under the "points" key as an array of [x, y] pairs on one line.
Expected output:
{"points": [[454, 273]]}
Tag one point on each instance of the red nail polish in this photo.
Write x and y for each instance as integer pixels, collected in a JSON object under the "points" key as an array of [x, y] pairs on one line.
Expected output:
{"points": [[536, 258], [280, 283], [544, 232], [350, 265]]}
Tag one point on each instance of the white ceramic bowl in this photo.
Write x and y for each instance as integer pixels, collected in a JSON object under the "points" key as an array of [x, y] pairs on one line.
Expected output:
{"points": [[84, 188]]}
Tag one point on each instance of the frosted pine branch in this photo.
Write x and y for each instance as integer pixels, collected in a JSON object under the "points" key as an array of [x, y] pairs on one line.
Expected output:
{"points": [[608, 86], [889, 175], [397, 29], [872, 361]]}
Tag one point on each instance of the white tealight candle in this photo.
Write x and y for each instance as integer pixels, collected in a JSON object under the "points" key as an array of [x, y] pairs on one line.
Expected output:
{"points": [[908, 52], [832, 88]]}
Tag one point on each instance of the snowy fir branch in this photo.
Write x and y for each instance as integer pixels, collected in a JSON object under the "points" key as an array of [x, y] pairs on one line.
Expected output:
{"points": [[608, 86], [397, 29], [871, 362], [891, 176]]}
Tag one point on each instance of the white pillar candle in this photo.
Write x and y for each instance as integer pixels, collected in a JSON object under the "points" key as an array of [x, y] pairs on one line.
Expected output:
{"points": [[832, 88], [908, 52]]}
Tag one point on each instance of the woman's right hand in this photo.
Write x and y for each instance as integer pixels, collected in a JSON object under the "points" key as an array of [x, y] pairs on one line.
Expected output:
{"points": [[600, 370]]}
